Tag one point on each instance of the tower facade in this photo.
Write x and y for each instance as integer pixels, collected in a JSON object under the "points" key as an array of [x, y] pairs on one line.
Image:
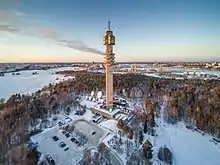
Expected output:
{"points": [[109, 42]]}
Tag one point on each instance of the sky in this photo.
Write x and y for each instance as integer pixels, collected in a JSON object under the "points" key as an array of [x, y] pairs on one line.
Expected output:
{"points": [[73, 30]]}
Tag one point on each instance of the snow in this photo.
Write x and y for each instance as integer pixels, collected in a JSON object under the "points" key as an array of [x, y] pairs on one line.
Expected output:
{"points": [[87, 116], [121, 116], [26, 82], [90, 104], [188, 147], [48, 146], [109, 124]]}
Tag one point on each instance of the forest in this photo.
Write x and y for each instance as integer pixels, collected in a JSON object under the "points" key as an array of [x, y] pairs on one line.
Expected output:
{"points": [[194, 101], [197, 102]]}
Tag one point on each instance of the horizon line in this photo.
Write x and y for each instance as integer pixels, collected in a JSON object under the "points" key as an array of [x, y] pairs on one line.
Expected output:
{"points": [[97, 62]]}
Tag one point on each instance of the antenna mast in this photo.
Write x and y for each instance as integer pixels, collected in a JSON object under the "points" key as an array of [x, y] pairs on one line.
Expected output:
{"points": [[109, 25]]}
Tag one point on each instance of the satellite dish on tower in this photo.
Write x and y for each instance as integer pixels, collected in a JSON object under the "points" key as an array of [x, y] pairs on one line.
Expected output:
{"points": [[99, 94], [92, 93]]}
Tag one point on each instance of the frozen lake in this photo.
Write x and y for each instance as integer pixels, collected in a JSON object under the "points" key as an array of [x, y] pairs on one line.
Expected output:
{"points": [[26, 82]]}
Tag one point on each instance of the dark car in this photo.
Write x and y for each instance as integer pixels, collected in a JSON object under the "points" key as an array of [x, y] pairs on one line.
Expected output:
{"points": [[78, 143], [67, 135], [60, 123], [66, 149], [55, 118], [62, 144], [63, 132], [50, 160], [73, 139], [55, 138]]}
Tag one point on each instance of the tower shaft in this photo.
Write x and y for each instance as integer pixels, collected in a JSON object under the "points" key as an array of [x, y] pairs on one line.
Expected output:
{"points": [[109, 41], [109, 77]]}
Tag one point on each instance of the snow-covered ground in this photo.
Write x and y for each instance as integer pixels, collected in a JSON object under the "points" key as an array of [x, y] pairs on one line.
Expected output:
{"points": [[191, 148], [188, 147], [26, 82], [47, 145], [109, 125]]}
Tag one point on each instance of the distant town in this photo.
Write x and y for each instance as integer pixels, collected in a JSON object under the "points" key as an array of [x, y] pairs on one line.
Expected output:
{"points": [[14, 67], [176, 70]]}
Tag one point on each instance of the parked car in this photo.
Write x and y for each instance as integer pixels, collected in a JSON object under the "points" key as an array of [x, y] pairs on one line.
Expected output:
{"points": [[78, 143], [55, 118], [55, 138], [60, 123], [50, 160], [62, 144], [67, 135], [73, 139], [66, 149]]}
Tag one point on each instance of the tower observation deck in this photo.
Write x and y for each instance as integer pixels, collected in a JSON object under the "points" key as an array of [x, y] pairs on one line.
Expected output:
{"points": [[109, 42]]}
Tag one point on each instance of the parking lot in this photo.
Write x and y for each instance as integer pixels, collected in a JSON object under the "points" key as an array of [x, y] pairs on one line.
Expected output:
{"points": [[66, 148], [60, 120], [49, 145], [93, 132]]}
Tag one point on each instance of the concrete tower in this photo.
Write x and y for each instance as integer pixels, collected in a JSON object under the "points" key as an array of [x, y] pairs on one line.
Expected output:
{"points": [[109, 41]]}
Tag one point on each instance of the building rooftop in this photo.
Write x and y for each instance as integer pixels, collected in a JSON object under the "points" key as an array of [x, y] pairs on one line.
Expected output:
{"points": [[95, 105]]}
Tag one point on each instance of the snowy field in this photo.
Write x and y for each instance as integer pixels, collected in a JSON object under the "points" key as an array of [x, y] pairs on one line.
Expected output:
{"points": [[188, 147], [26, 82]]}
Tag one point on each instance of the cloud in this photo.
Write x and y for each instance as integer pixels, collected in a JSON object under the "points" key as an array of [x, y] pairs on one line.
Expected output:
{"points": [[9, 10], [5, 16], [48, 33], [10, 17], [53, 36], [6, 28]]}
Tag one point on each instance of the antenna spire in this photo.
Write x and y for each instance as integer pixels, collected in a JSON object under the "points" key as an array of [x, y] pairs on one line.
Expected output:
{"points": [[109, 25]]}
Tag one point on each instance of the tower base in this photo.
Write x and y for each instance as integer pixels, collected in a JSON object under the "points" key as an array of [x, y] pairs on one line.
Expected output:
{"points": [[109, 106]]}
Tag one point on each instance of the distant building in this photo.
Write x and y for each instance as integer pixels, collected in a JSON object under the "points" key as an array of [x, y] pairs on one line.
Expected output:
{"points": [[163, 70]]}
